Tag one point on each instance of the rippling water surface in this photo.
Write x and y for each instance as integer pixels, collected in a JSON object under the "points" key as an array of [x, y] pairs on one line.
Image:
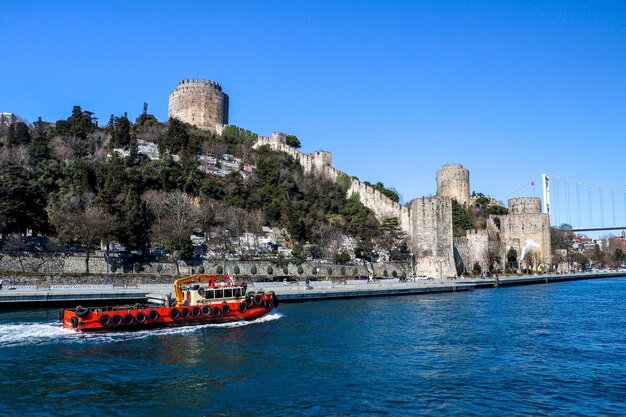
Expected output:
{"points": [[557, 349]]}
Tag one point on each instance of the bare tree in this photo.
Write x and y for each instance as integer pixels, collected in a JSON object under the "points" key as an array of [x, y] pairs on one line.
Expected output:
{"points": [[255, 227], [60, 150], [14, 155], [15, 246], [176, 216], [87, 225]]}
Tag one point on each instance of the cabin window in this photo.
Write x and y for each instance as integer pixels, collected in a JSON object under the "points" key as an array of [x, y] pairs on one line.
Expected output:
{"points": [[219, 293], [228, 293]]}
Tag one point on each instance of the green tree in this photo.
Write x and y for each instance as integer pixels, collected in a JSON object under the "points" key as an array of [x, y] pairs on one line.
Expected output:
{"points": [[253, 270], [476, 270], [38, 150], [175, 139], [135, 226], [22, 203], [293, 141], [145, 119], [511, 259], [120, 134], [80, 124], [496, 210], [18, 134], [461, 219], [392, 234]]}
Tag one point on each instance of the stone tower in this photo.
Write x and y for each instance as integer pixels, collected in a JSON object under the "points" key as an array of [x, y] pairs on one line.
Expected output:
{"points": [[453, 182], [201, 103], [525, 222], [431, 236]]}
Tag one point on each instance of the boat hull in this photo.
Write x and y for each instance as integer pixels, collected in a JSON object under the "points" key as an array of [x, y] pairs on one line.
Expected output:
{"points": [[153, 317]]}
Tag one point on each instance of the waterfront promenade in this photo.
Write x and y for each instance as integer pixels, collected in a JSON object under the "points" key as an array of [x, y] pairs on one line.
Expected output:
{"points": [[24, 296]]}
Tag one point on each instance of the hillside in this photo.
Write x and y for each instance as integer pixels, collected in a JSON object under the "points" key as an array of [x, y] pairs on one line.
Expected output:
{"points": [[146, 184]]}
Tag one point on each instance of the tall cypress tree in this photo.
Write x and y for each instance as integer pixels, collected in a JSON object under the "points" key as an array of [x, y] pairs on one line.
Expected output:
{"points": [[38, 149], [134, 233]]}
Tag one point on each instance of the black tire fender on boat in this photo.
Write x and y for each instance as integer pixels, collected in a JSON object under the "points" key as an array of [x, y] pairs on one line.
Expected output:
{"points": [[129, 319], [184, 312], [267, 303], [105, 320], [206, 311], [174, 313], [61, 313], [140, 317], [116, 320], [216, 311], [249, 302], [195, 312], [81, 311], [274, 298], [258, 300], [242, 307], [153, 315], [225, 309], [74, 322]]}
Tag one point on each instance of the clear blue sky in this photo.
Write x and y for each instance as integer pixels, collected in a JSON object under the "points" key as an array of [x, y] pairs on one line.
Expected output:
{"points": [[510, 89]]}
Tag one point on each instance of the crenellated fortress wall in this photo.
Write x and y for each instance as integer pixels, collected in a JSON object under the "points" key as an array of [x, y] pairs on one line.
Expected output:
{"points": [[426, 221], [320, 163]]}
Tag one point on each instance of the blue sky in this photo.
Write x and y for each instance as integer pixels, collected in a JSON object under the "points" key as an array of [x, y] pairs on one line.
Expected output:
{"points": [[394, 89]]}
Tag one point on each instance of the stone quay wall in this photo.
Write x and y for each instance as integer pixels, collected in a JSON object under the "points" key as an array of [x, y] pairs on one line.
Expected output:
{"points": [[72, 270], [199, 102]]}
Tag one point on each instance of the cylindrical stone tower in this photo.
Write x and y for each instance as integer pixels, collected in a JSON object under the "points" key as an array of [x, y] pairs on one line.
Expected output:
{"points": [[199, 102], [525, 205], [453, 182]]}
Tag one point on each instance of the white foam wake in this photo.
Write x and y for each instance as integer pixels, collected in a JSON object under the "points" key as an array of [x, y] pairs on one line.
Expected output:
{"points": [[19, 334], [24, 334]]}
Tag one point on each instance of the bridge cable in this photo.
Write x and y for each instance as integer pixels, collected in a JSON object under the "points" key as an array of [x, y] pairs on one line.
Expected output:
{"points": [[601, 207], [557, 205], [590, 206], [578, 203], [569, 217], [613, 205]]}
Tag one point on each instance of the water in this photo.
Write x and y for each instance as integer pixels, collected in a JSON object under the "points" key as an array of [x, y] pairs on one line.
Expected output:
{"points": [[541, 350]]}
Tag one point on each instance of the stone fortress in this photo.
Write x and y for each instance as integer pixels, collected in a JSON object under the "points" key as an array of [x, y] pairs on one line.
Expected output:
{"points": [[201, 103], [426, 221]]}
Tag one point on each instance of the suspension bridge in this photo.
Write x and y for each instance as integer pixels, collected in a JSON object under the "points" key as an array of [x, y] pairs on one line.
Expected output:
{"points": [[585, 206]]}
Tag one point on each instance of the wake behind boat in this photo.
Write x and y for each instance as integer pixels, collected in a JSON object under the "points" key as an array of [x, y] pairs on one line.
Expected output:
{"points": [[219, 300]]}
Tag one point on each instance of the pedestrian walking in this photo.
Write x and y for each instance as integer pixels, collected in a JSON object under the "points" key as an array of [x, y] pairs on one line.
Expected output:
{"points": [[1, 282]]}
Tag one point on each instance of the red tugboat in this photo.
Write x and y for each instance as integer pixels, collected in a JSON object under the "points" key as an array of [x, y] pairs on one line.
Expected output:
{"points": [[221, 301]]}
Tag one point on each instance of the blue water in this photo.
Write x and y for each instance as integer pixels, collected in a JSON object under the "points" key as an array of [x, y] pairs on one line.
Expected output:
{"points": [[541, 350]]}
